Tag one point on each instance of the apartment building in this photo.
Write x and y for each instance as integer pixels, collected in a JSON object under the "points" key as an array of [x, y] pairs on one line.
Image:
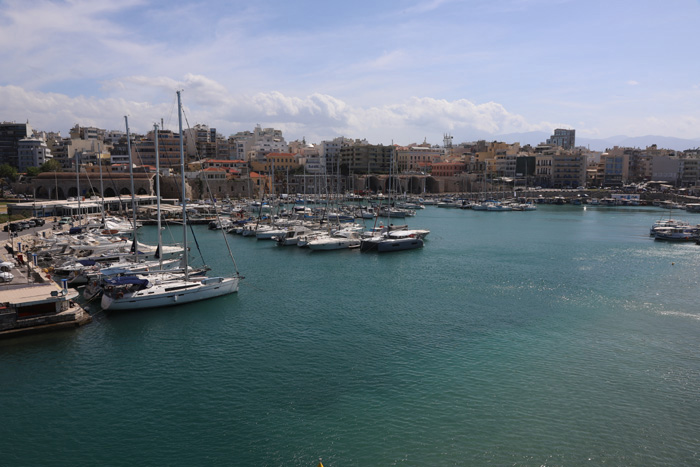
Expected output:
{"points": [[417, 158], [10, 135], [31, 152], [569, 169], [565, 139], [362, 158], [143, 151]]}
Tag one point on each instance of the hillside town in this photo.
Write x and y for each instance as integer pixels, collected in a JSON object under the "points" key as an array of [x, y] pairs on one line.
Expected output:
{"points": [[44, 165]]}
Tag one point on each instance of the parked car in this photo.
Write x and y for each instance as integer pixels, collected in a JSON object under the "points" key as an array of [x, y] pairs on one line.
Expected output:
{"points": [[39, 221], [65, 220]]}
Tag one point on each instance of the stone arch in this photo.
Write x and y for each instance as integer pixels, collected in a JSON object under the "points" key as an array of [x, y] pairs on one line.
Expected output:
{"points": [[73, 192], [415, 185], [141, 191], [432, 185], [57, 193], [392, 183], [110, 193], [41, 192], [374, 184], [125, 191]]}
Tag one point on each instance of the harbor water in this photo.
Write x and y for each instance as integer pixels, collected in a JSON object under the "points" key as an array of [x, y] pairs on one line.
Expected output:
{"points": [[562, 336]]}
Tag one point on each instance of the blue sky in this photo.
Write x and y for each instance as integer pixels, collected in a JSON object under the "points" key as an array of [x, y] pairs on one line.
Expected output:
{"points": [[400, 71]]}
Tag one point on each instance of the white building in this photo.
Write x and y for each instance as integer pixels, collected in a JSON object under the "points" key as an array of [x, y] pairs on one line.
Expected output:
{"points": [[112, 137], [255, 146], [32, 152]]}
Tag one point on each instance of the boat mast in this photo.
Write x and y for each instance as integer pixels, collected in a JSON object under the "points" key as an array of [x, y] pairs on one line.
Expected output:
{"points": [[102, 189], [159, 247], [134, 245], [77, 180], [184, 193]]}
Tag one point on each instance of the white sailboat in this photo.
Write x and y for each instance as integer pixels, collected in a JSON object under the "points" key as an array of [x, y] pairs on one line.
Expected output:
{"points": [[166, 289], [392, 238]]}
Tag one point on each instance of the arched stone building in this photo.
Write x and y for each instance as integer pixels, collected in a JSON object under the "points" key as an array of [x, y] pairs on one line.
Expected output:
{"points": [[62, 185]]}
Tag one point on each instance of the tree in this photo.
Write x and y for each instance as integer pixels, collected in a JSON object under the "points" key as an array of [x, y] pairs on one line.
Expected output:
{"points": [[33, 171], [51, 165], [9, 172]]}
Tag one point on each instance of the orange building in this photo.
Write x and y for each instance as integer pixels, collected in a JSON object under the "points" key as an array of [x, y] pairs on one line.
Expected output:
{"points": [[281, 161], [448, 169]]}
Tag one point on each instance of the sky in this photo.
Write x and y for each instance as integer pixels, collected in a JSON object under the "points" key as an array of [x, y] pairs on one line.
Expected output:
{"points": [[401, 71]]}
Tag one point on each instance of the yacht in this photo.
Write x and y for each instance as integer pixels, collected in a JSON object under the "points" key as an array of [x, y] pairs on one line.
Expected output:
{"points": [[677, 234], [338, 240], [166, 289]]}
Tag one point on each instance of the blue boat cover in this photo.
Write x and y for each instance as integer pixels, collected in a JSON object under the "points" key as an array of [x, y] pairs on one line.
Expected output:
{"points": [[126, 280], [87, 262]]}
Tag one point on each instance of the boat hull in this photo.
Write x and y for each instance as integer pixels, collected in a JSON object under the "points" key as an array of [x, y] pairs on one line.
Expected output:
{"points": [[333, 244], [205, 289], [399, 244]]}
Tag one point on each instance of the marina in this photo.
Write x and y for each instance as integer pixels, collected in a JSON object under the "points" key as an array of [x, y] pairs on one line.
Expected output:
{"points": [[560, 336], [321, 234]]}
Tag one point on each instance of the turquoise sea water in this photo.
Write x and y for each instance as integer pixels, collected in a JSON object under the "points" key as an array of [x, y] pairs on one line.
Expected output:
{"points": [[564, 336]]}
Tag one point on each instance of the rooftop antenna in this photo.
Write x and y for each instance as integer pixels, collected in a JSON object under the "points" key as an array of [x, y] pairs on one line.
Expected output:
{"points": [[447, 140]]}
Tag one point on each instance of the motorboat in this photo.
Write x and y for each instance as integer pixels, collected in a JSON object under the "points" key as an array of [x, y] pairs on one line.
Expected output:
{"points": [[677, 234], [336, 241]]}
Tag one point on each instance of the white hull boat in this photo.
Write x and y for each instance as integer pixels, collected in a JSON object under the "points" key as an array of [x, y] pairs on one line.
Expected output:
{"points": [[151, 292]]}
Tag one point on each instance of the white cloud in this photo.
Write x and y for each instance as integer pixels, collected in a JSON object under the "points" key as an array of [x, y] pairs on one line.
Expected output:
{"points": [[344, 69], [316, 116]]}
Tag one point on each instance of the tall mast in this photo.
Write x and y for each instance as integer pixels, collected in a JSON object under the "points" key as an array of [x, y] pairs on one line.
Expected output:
{"points": [[77, 180], [159, 247], [133, 193], [102, 189], [184, 193]]}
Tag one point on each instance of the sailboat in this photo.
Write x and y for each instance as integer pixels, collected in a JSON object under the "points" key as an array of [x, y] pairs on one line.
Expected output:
{"points": [[167, 289], [392, 238]]}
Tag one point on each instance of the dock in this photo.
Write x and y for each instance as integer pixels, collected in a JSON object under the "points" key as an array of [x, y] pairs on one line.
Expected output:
{"points": [[32, 302]]}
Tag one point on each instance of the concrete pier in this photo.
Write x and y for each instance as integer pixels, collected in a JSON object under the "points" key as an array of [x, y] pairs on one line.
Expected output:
{"points": [[32, 302]]}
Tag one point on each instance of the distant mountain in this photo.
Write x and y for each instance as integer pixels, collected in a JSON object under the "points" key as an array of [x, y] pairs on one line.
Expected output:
{"points": [[662, 142]]}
